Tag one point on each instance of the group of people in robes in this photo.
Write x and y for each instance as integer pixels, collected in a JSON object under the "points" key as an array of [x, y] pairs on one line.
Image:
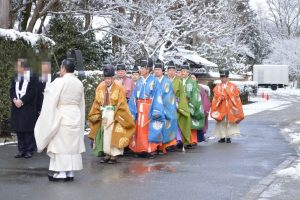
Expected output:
{"points": [[160, 109]]}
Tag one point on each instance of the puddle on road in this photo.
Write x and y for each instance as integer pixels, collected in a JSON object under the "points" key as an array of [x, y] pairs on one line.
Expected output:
{"points": [[134, 171], [21, 173], [144, 168]]}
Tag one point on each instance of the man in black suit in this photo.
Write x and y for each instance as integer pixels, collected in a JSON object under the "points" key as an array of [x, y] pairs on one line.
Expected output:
{"points": [[44, 80], [23, 112]]}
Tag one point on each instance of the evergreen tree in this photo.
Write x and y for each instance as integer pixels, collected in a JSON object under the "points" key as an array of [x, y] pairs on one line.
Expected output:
{"points": [[67, 32]]}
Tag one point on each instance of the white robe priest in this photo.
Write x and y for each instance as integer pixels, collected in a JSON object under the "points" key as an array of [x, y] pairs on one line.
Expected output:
{"points": [[60, 127]]}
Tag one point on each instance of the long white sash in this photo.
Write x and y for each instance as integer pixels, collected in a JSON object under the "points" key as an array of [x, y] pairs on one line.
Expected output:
{"points": [[22, 92]]}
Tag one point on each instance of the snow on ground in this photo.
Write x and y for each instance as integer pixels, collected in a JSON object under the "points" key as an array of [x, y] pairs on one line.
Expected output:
{"points": [[292, 172]]}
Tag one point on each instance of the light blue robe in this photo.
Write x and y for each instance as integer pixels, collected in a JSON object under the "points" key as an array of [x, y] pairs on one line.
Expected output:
{"points": [[145, 89], [170, 110]]}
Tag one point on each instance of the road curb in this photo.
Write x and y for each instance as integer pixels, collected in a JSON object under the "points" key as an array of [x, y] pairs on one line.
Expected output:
{"points": [[262, 186]]}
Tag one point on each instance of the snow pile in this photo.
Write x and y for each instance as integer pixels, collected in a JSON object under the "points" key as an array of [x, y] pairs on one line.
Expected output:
{"points": [[295, 137], [194, 57], [30, 38], [293, 172]]}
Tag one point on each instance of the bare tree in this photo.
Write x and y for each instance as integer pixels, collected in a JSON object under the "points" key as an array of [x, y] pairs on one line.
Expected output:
{"points": [[285, 14], [4, 13]]}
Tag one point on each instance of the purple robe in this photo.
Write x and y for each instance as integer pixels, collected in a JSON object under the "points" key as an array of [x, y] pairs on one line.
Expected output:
{"points": [[206, 107]]}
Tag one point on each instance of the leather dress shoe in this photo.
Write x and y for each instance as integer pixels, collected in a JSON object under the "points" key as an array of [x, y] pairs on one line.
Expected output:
{"points": [[28, 155], [19, 155], [222, 140]]}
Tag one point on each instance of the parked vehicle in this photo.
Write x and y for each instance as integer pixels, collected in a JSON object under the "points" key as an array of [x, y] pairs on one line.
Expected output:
{"points": [[274, 76]]}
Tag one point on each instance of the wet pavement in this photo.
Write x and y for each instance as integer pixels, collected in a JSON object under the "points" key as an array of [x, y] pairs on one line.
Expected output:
{"points": [[211, 171]]}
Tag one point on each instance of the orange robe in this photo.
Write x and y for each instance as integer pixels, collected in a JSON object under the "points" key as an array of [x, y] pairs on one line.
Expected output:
{"points": [[227, 102]]}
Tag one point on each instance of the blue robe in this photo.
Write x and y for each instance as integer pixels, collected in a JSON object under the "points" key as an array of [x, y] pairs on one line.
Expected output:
{"points": [[170, 110], [150, 89]]}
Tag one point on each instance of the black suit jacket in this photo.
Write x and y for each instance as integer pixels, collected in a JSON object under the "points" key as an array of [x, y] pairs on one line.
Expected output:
{"points": [[23, 119]]}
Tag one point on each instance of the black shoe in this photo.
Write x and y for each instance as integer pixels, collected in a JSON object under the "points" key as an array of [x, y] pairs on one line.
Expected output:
{"points": [[189, 146], [171, 149], [151, 156], [28, 155], [20, 155], [69, 179], [104, 160], [222, 140], [228, 140], [112, 161]]}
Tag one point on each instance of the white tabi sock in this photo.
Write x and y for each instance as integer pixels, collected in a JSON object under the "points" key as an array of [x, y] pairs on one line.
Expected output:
{"points": [[60, 175], [70, 174]]}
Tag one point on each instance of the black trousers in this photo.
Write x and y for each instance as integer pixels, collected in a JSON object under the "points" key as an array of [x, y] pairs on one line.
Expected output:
{"points": [[26, 142]]}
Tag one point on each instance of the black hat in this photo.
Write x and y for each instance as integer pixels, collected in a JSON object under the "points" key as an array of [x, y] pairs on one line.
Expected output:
{"points": [[224, 73], [108, 70], [146, 62], [121, 66], [159, 64], [135, 69], [171, 65], [185, 65], [178, 68]]}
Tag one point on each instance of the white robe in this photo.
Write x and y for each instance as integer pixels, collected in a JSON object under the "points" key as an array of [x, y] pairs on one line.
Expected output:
{"points": [[60, 126]]}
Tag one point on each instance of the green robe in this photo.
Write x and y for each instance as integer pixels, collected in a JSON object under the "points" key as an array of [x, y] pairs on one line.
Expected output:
{"points": [[183, 113], [192, 92]]}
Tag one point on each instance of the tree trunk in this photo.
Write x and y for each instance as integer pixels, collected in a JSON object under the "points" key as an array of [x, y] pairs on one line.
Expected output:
{"points": [[87, 16], [41, 25], [36, 15], [25, 17], [4, 13]]}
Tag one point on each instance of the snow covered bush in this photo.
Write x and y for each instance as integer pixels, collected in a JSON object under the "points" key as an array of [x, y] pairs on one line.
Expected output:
{"points": [[90, 83]]}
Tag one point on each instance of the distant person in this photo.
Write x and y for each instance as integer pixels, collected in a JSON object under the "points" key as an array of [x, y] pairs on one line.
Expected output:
{"points": [[135, 74], [124, 81], [206, 107], [60, 126], [44, 81], [192, 93], [226, 109], [23, 110]]}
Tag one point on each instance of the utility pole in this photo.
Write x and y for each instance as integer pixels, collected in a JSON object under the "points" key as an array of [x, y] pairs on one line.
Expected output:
{"points": [[4, 13]]}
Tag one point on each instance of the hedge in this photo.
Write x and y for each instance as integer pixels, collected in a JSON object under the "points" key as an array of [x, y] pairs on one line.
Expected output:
{"points": [[10, 50]]}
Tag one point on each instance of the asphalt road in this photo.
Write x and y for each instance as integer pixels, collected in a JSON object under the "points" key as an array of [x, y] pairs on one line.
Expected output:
{"points": [[211, 171]]}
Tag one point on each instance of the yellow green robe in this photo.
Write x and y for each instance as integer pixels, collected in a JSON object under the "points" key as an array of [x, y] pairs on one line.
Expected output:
{"points": [[183, 113]]}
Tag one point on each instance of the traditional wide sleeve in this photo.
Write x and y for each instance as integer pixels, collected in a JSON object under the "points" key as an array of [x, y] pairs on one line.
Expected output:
{"points": [[133, 104], [82, 110], [44, 130], [94, 116], [183, 108], [205, 101], [157, 108], [169, 101]]}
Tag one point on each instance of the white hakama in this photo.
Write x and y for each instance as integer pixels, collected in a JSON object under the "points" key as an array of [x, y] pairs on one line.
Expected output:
{"points": [[64, 162], [108, 116], [224, 129]]}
